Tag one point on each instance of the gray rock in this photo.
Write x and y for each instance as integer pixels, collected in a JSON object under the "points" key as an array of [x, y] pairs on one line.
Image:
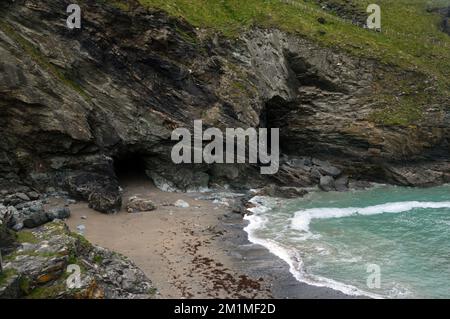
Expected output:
{"points": [[105, 201], [36, 219], [325, 168], [7, 237], [50, 190], [136, 204], [58, 213], [33, 195], [10, 287], [327, 183], [18, 226], [22, 196], [81, 229], [342, 184], [181, 204], [170, 178], [42, 264], [35, 207], [315, 174], [282, 192]]}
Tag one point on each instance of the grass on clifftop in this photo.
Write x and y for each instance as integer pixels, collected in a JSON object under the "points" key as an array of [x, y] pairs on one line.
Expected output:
{"points": [[411, 39]]}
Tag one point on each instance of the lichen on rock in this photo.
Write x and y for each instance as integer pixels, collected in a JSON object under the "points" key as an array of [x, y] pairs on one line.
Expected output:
{"points": [[38, 268]]}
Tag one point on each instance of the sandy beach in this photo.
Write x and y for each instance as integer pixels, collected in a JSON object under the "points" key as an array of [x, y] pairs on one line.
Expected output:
{"points": [[178, 248], [195, 252]]}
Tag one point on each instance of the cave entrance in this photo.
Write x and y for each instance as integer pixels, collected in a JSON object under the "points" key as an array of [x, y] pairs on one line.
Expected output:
{"points": [[274, 115], [130, 167]]}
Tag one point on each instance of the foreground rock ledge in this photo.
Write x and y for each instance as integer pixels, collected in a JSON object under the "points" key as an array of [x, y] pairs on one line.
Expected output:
{"points": [[37, 268]]}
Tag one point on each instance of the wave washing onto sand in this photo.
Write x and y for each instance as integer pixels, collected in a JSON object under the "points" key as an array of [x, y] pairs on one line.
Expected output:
{"points": [[303, 218], [301, 221], [289, 255]]}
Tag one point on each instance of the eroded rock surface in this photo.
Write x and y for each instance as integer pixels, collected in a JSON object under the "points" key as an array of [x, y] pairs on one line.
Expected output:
{"points": [[73, 102], [46, 257]]}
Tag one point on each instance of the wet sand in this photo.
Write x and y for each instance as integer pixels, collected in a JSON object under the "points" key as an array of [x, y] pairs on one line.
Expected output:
{"points": [[196, 252], [177, 248]]}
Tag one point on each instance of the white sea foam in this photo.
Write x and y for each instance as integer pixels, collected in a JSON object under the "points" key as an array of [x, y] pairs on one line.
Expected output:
{"points": [[303, 218], [258, 221], [261, 219]]}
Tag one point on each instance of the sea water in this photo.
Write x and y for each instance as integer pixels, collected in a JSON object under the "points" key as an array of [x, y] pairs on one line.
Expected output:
{"points": [[342, 240]]}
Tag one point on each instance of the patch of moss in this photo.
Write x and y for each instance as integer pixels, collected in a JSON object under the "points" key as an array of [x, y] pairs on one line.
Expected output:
{"points": [[152, 291], [47, 292], [83, 242], [27, 237], [239, 86], [190, 38], [98, 259], [24, 285], [124, 6], [5, 275], [402, 112]]}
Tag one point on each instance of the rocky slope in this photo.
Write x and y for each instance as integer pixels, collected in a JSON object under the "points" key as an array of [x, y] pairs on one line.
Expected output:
{"points": [[76, 104], [39, 268]]}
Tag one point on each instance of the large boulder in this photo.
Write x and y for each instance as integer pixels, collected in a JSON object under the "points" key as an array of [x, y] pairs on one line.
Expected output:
{"points": [[136, 204], [327, 184], [36, 219], [58, 213], [342, 184], [102, 191], [107, 200]]}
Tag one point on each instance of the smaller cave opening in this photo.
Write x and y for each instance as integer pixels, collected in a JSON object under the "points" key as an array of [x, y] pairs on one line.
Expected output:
{"points": [[273, 115], [130, 167]]}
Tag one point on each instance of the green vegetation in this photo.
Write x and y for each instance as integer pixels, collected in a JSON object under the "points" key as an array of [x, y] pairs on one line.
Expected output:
{"points": [[27, 237], [5, 275], [152, 291], [98, 259], [402, 111], [24, 285], [410, 38], [47, 292], [121, 5], [84, 243]]}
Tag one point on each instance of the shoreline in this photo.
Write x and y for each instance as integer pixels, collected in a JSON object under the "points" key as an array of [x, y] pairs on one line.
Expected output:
{"points": [[197, 252], [257, 260]]}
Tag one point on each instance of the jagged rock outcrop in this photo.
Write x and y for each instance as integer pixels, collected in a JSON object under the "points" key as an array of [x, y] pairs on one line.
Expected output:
{"points": [[73, 102], [41, 265]]}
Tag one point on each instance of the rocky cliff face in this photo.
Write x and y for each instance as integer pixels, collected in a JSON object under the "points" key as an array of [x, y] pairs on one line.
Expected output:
{"points": [[75, 102], [38, 269]]}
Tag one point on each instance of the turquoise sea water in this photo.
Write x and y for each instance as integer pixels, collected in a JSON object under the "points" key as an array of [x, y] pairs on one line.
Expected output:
{"points": [[339, 239]]}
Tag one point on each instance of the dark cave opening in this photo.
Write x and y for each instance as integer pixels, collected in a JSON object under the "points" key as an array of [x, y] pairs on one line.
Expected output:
{"points": [[130, 166], [273, 116]]}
